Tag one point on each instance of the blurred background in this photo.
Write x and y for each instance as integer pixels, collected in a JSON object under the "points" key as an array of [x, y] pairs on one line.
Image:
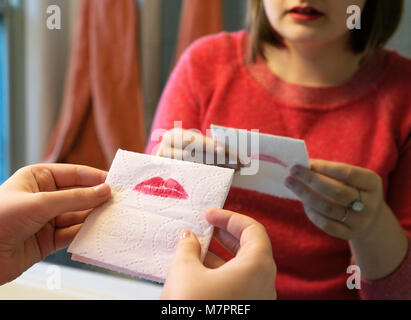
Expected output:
{"points": [[53, 86]]}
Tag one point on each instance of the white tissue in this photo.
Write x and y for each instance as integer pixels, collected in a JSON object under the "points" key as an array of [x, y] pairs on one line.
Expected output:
{"points": [[270, 177], [136, 232]]}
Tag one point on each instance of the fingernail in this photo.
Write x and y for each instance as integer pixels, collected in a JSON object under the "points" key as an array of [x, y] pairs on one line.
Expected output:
{"points": [[245, 162], [295, 171], [102, 189], [185, 234], [289, 182]]}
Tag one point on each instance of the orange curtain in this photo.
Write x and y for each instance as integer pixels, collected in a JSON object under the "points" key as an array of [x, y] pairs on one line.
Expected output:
{"points": [[102, 105], [198, 18]]}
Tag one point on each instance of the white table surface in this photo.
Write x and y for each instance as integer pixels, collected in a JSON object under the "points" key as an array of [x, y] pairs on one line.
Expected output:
{"points": [[76, 284]]}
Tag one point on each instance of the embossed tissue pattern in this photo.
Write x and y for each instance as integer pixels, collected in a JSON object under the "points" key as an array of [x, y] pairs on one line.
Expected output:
{"points": [[153, 199]]}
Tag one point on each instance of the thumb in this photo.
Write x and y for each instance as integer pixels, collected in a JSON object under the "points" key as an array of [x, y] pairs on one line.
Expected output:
{"points": [[188, 250]]}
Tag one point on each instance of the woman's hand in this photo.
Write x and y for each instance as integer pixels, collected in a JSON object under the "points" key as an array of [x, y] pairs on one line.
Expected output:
{"points": [[192, 146], [328, 189], [250, 275], [374, 233], [42, 208]]}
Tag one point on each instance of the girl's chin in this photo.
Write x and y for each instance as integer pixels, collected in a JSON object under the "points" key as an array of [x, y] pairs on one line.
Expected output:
{"points": [[305, 40], [305, 35]]}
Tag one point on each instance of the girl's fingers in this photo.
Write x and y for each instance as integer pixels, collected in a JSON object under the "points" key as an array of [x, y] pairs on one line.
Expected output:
{"points": [[329, 226], [356, 177], [72, 218], [314, 200], [187, 251], [212, 261], [48, 205], [181, 139], [66, 175], [329, 187], [195, 147], [227, 240], [64, 236], [251, 235], [326, 207], [193, 155]]}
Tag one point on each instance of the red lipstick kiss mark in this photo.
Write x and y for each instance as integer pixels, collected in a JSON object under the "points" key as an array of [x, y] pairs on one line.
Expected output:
{"points": [[159, 187], [263, 157]]}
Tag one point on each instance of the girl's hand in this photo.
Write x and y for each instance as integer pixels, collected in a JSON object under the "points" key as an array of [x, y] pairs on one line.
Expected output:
{"points": [[42, 208], [327, 192], [249, 275], [192, 146]]}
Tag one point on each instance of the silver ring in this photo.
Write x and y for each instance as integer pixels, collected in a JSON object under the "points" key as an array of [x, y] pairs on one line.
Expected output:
{"points": [[357, 205], [345, 216]]}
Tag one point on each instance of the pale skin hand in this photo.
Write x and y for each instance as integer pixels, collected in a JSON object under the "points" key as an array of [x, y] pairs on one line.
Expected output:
{"points": [[192, 146], [42, 208], [250, 275], [377, 240]]}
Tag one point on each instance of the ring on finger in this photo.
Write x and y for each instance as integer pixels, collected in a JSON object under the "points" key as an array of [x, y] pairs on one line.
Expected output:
{"points": [[357, 205], [345, 216]]}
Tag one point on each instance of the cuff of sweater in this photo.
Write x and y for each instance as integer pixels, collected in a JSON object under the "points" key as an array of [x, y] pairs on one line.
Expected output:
{"points": [[395, 286]]}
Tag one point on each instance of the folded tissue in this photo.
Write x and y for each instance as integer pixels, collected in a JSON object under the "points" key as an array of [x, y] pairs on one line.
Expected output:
{"points": [[269, 159], [153, 199]]}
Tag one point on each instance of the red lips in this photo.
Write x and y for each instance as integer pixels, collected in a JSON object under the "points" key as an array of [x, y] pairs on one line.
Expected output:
{"points": [[305, 13], [159, 187]]}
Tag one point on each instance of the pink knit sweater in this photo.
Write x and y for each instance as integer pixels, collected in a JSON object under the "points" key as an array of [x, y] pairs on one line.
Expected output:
{"points": [[365, 122]]}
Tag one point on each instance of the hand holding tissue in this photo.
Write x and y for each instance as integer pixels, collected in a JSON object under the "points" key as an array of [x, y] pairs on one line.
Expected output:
{"points": [[270, 159], [153, 199]]}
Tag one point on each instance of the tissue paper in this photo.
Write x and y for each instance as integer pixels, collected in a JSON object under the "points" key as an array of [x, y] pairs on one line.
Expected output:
{"points": [[274, 156], [153, 199]]}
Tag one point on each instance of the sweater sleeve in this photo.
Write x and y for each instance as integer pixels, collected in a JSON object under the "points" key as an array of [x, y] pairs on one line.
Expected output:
{"points": [[179, 105], [398, 284]]}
